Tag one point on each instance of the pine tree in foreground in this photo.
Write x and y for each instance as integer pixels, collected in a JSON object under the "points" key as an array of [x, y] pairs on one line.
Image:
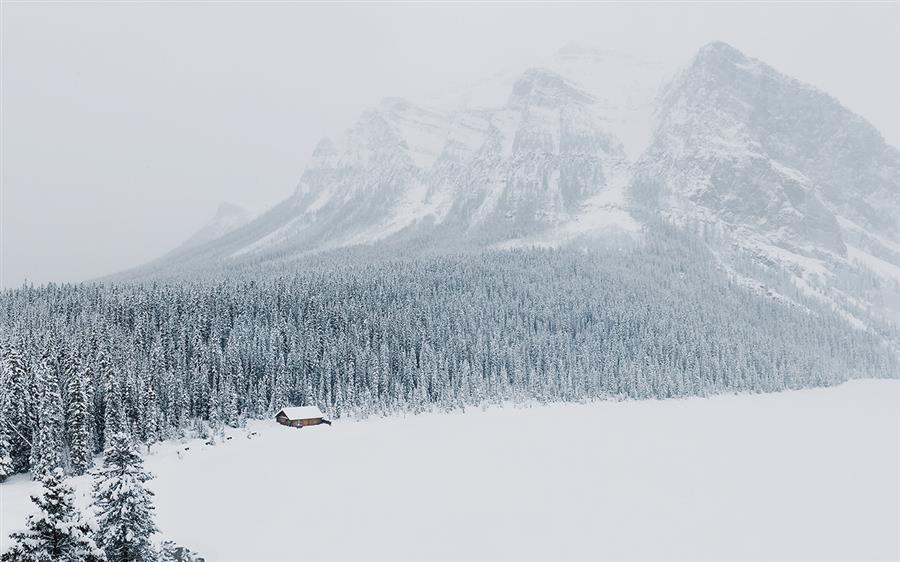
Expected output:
{"points": [[57, 532], [124, 504]]}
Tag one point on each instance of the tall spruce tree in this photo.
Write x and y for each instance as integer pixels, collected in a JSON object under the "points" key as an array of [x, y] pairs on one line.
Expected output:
{"points": [[124, 504], [18, 408], [79, 422], [57, 532], [48, 448], [113, 408], [215, 419], [151, 415], [6, 462]]}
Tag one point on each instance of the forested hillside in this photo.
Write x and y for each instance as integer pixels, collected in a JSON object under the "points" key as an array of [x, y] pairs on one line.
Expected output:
{"points": [[159, 359]]}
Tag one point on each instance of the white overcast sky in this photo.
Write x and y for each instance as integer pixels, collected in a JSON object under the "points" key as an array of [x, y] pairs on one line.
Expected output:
{"points": [[125, 125]]}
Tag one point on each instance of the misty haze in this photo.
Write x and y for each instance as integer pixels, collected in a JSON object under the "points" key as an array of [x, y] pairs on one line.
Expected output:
{"points": [[295, 281]]}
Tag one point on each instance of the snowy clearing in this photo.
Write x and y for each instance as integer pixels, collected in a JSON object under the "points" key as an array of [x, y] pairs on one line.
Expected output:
{"points": [[808, 474]]}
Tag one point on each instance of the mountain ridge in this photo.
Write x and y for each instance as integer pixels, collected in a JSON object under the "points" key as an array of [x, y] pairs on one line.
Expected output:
{"points": [[783, 173], [227, 218]]}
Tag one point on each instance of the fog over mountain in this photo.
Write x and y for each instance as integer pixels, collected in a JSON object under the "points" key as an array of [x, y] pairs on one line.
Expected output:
{"points": [[228, 217], [591, 148], [103, 118]]}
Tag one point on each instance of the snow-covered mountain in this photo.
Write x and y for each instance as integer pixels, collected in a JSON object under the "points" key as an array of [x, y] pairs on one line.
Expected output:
{"points": [[538, 164], [592, 146], [783, 171]]}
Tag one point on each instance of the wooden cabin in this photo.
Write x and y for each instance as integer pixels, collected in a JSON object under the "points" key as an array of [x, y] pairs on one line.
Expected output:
{"points": [[301, 416]]}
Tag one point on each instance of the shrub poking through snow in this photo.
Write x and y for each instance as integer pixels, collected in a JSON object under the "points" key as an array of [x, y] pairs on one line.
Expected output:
{"points": [[124, 504], [171, 552], [57, 531]]}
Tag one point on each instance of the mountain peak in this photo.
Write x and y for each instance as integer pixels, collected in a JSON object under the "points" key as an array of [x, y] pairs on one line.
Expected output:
{"points": [[718, 72], [722, 60], [228, 217], [542, 87], [721, 51], [228, 210], [324, 155]]}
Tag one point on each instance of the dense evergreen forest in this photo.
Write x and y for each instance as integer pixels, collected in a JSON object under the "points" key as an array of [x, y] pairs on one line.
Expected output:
{"points": [[159, 359]]}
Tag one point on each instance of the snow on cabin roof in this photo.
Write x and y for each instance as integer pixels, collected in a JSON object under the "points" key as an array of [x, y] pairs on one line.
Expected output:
{"points": [[302, 412]]}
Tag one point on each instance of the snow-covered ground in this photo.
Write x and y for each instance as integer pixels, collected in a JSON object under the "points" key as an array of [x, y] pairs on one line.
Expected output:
{"points": [[810, 474]]}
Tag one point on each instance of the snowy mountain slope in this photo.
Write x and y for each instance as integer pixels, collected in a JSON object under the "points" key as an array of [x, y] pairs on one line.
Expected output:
{"points": [[540, 163], [591, 147], [784, 171], [228, 217]]}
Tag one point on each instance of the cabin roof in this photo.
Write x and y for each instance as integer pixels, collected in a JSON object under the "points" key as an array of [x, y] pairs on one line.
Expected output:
{"points": [[302, 412]]}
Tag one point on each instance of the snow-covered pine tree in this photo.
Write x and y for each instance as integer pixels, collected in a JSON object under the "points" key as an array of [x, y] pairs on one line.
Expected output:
{"points": [[102, 369], [215, 420], [124, 504], [57, 532], [228, 403], [113, 407], [18, 408], [79, 422], [48, 447], [337, 409], [151, 415], [6, 462], [279, 394]]}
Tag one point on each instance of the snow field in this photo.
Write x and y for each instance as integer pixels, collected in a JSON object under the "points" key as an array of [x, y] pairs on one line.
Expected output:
{"points": [[808, 474]]}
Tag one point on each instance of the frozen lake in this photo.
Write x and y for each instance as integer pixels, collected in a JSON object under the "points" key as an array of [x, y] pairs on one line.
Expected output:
{"points": [[807, 474]]}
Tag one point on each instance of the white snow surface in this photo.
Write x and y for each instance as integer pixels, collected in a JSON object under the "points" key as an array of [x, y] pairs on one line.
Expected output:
{"points": [[877, 265], [809, 474]]}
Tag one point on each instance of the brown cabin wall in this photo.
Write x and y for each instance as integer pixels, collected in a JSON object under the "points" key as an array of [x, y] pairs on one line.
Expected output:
{"points": [[299, 423]]}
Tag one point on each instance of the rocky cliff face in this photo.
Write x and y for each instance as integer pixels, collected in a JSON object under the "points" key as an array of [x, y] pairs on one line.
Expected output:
{"points": [[739, 143], [785, 172], [521, 172]]}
